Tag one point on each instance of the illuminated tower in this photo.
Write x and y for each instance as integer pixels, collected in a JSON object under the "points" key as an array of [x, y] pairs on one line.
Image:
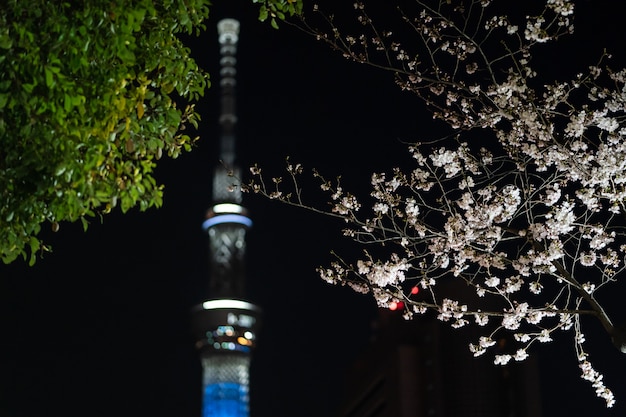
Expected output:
{"points": [[225, 326]]}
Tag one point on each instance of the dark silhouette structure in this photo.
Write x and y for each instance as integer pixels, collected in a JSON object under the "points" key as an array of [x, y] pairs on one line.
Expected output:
{"points": [[423, 368]]}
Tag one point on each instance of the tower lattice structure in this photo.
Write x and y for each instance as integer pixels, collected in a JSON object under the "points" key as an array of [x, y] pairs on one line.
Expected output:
{"points": [[226, 325]]}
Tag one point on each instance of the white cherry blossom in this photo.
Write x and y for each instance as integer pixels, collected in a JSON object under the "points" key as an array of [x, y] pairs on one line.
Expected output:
{"points": [[522, 202]]}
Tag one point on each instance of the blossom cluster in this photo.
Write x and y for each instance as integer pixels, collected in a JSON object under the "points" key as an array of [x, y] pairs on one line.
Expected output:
{"points": [[524, 204]]}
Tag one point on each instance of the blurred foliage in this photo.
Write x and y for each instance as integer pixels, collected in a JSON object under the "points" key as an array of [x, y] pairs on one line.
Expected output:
{"points": [[92, 94], [275, 10], [90, 98]]}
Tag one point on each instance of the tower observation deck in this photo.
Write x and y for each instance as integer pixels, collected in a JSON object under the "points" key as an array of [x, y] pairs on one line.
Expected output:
{"points": [[225, 325]]}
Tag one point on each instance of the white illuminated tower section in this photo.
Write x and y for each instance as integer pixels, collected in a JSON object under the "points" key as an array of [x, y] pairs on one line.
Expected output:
{"points": [[225, 326]]}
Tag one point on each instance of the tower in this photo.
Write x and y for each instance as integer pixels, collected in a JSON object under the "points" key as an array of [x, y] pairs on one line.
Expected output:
{"points": [[225, 325]]}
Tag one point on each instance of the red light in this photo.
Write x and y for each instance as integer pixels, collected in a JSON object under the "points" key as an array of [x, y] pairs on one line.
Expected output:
{"points": [[393, 306], [415, 290]]}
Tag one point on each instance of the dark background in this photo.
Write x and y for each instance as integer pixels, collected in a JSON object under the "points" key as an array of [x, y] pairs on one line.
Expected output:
{"points": [[100, 327]]}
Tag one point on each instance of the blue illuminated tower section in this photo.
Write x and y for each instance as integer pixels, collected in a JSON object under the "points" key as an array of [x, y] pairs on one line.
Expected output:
{"points": [[225, 326]]}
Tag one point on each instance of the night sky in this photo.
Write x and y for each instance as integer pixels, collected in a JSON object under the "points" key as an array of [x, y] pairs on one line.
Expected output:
{"points": [[100, 327]]}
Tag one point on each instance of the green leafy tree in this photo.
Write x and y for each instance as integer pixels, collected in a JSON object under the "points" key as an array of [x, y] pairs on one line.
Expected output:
{"points": [[92, 94]]}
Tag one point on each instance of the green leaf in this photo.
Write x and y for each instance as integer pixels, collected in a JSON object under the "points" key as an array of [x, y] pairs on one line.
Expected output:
{"points": [[49, 77], [263, 13], [85, 223], [34, 248], [67, 102], [5, 40]]}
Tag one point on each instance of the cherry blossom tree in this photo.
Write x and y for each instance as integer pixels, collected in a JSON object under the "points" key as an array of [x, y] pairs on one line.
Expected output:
{"points": [[522, 200]]}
